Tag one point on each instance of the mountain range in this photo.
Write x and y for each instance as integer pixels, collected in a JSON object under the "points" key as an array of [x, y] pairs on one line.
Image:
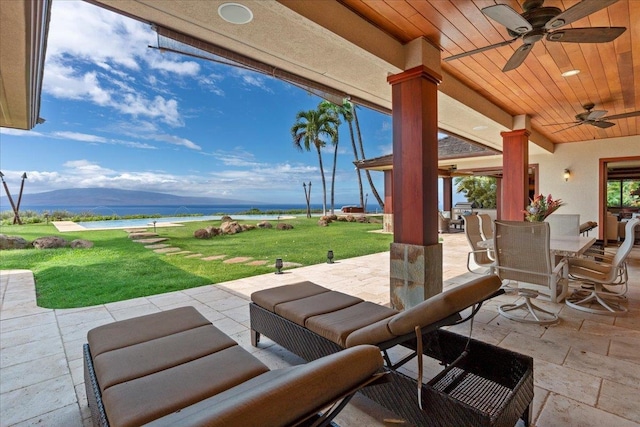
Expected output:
{"points": [[111, 197]]}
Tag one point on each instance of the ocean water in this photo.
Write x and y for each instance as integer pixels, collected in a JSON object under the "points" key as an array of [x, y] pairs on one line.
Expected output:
{"points": [[167, 210], [146, 222]]}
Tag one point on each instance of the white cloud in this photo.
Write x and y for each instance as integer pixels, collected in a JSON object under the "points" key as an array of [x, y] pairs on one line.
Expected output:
{"points": [[149, 131], [210, 83], [80, 137], [189, 68], [67, 83], [137, 105], [238, 158], [107, 38], [252, 79], [176, 140], [18, 132]]}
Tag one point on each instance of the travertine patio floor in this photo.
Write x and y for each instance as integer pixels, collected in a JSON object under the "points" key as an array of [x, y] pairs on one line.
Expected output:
{"points": [[587, 368]]}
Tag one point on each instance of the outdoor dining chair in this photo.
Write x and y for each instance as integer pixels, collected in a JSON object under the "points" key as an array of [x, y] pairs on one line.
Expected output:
{"points": [[523, 256], [482, 257], [486, 226], [602, 280]]}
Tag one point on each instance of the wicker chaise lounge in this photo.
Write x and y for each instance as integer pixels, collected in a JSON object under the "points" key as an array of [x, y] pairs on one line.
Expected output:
{"points": [[175, 368], [482, 384]]}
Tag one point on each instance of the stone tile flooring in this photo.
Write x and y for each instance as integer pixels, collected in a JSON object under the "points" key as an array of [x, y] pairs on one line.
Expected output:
{"points": [[587, 368]]}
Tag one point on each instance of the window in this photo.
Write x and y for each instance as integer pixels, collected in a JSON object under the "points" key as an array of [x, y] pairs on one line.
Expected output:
{"points": [[619, 193]]}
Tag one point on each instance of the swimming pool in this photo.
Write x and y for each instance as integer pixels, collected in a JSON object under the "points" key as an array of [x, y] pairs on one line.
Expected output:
{"points": [[165, 221]]}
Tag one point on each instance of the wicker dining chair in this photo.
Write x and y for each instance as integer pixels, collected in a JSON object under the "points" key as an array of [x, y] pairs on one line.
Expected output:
{"points": [[601, 279], [522, 252], [482, 257]]}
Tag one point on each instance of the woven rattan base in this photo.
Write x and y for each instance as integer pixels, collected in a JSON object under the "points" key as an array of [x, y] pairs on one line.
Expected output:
{"points": [[490, 387], [94, 397]]}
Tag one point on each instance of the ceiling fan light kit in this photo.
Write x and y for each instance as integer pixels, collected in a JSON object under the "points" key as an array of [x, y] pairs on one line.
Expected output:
{"points": [[536, 23]]}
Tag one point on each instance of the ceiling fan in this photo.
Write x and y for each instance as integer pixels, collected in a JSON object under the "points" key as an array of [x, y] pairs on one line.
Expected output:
{"points": [[595, 118], [537, 22]]}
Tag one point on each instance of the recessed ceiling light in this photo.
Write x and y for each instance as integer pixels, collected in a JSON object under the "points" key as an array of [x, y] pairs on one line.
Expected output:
{"points": [[235, 13], [479, 127], [570, 73]]}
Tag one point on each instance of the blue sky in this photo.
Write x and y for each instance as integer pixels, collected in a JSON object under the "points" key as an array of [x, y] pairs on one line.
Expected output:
{"points": [[121, 115]]}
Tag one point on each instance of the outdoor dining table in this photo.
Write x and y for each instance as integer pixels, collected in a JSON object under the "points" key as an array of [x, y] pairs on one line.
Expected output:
{"points": [[560, 246]]}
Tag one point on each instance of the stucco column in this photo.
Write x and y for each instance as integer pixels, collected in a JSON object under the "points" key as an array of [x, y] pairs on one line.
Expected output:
{"points": [[416, 254], [515, 179]]}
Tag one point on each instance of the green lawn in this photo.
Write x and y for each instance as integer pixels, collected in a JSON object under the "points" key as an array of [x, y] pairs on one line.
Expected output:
{"points": [[117, 268]]}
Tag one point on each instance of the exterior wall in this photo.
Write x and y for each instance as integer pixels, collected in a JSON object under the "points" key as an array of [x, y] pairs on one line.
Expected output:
{"points": [[580, 193]]}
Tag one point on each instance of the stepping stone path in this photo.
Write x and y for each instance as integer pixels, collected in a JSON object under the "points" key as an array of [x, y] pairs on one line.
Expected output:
{"points": [[214, 257], [167, 250], [236, 260], [157, 246], [153, 241]]}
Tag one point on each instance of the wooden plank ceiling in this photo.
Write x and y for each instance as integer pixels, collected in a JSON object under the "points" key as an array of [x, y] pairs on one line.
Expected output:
{"points": [[609, 72]]}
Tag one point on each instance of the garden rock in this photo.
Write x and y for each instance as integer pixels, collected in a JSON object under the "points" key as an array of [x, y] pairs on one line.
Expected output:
{"points": [[264, 224], [284, 226], [12, 242], [201, 233], [247, 227], [49, 242], [213, 231], [323, 222], [326, 218], [230, 227], [226, 218], [81, 244], [362, 219]]}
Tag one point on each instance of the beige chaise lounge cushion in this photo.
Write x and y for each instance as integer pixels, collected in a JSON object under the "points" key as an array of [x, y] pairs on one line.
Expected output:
{"points": [[142, 400], [281, 397], [337, 326], [300, 310], [140, 329], [128, 363], [269, 298], [427, 312]]}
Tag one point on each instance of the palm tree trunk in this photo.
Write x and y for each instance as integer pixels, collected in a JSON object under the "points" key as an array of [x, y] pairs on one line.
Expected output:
{"points": [[333, 176], [355, 155], [373, 188], [324, 183]]}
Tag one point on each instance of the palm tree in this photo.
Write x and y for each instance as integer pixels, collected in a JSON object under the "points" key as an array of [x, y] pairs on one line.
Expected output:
{"points": [[337, 110], [346, 112], [308, 130], [373, 188]]}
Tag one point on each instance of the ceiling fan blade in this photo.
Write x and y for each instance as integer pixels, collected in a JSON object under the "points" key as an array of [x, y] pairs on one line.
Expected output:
{"points": [[595, 114], [518, 57], [569, 127], [622, 116], [508, 17], [561, 124], [601, 124], [482, 49], [586, 35], [578, 11]]}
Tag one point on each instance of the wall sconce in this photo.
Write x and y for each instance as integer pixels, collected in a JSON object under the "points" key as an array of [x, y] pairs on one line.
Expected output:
{"points": [[330, 257], [278, 265], [567, 174]]}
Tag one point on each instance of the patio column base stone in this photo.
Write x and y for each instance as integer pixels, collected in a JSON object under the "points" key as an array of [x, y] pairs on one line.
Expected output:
{"points": [[415, 274]]}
